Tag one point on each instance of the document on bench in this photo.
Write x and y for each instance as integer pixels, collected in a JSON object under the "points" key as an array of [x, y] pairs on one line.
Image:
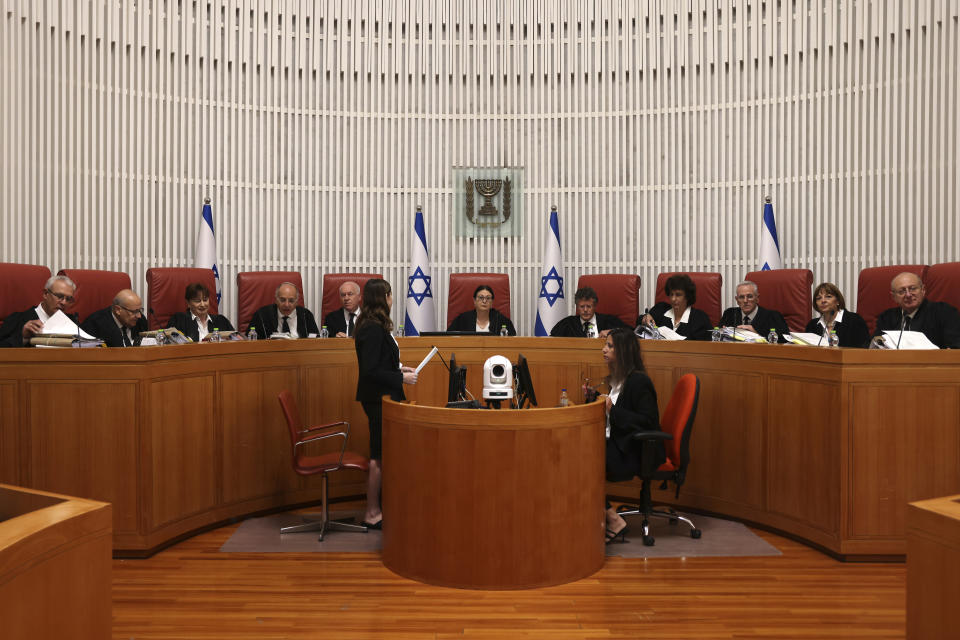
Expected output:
{"points": [[904, 340]]}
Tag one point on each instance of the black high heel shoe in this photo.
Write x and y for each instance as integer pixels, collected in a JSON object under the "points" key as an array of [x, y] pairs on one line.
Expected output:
{"points": [[617, 536]]}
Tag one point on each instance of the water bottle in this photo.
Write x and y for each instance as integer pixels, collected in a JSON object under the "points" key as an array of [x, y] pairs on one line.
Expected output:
{"points": [[400, 331], [252, 334], [324, 332], [833, 339], [216, 336], [161, 338], [715, 334], [503, 331], [564, 399], [772, 337]]}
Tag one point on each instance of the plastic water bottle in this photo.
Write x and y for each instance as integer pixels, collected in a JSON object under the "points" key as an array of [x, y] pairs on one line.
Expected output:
{"points": [[564, 399], [503, 331], [833, 339], [400, 331], [715, 334], [772, 337], [324, 332], [216, 336], [161, 338], [252, 334]]}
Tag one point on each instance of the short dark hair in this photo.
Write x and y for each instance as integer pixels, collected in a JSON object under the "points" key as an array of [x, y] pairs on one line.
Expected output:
{"points": [[196, 289], [682, 282], [832, 289], [481, 288], [586, 293]]}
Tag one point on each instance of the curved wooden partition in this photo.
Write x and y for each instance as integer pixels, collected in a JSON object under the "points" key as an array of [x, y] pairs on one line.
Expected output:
{"points": [[502, 499], [933, 564], [54, 566], [827, 445]]}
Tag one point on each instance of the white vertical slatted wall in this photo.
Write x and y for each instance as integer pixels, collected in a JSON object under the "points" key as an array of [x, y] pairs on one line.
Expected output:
{"points": [[316, 127]]}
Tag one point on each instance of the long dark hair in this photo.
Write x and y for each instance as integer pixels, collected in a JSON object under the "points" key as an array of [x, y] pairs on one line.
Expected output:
{"points": [[626, 355], [375, 307]]}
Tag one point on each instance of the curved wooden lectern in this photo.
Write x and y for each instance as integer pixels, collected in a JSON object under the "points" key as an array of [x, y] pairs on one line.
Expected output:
{"points": [[502, 499]]}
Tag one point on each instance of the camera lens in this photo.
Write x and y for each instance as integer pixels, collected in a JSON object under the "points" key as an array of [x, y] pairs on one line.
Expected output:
{"points": [[497, 370]]}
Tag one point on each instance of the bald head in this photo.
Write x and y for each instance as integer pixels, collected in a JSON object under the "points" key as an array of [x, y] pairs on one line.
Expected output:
{"points": [[908, 291], [127, 307], [350, 296], [287, 297]]}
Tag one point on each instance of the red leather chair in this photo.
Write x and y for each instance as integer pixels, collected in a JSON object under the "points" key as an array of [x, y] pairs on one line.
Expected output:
{"points": [[165, 289], [788, 291], [618, 293], [942, 282], [873, 289], [258, 288], [95, 289], [462, 286], [331, 290], [709, 292], [308, 465], [21, 287], [677, 425]]}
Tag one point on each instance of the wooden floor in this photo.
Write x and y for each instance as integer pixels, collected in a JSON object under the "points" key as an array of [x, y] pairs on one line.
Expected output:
{"points": [[193, 591]]}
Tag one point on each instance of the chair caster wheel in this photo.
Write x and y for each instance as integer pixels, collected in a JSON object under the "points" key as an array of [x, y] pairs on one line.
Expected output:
{"points": [[695, 534], [648, 541]]}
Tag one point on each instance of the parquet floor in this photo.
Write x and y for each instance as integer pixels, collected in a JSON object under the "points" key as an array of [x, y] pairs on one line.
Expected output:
{"points": [[193, 591]]}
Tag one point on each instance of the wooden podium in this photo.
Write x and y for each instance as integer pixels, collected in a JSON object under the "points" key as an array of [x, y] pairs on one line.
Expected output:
{"points": [[493, 499]]}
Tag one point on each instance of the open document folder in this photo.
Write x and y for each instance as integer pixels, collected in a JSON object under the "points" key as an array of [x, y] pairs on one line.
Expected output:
{"points": [[809, 339], [60, 331], [904, 340], [740, 335]]}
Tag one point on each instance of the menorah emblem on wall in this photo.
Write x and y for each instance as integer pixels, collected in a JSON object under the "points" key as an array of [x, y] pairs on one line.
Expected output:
{"points": [[488, 215]]}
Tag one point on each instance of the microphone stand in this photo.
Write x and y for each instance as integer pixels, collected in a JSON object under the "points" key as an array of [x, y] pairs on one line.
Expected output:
{"points": [[903, 321]]}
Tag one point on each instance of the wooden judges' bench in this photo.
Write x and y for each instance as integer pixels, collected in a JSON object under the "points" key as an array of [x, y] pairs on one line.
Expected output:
{"points": [[828, 445]]}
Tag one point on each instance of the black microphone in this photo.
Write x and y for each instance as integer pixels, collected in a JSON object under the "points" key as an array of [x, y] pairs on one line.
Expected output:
{"points": [[903, 321]]}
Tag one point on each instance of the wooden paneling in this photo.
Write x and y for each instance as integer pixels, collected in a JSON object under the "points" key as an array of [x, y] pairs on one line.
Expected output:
{"points": [[83, 440], [10, 449], [183, 455], [905, 447], [462, 488], [933, 564], [54, 566]]}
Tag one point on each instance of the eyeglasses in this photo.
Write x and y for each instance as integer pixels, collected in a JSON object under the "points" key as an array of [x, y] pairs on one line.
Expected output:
{"points": [[484, 298], [135, 312], [61, 296], [914, 288], [746, 296]]}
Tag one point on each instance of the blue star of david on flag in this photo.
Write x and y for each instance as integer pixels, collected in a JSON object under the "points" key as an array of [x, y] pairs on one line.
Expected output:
{"points": [[419, 275], [552, 276]]}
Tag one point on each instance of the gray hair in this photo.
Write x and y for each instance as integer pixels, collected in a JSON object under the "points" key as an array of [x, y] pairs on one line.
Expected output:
{"points": [[281, 285], [61, 278], [750, 283]]}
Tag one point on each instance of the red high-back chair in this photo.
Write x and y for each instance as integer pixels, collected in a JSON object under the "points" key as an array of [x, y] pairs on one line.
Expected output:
{"points": [[308, 465], [618, 294], [873, 289], [166, 287], [21, 286], [331, 290], [677, 425], [942, 282], [462, 286], [256, 289], [709, 286], [95, 289], [789, 291]]}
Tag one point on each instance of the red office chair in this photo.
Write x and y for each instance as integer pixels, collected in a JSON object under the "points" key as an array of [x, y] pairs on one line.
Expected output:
{"points": [[331, 290], [677, 423], [166, 287], [462, 286], [942, 282], [618, 293], [709, 285], [21, 287], [256, 289], [95, 289], [307, 465], [873, 289], [789, 291]]}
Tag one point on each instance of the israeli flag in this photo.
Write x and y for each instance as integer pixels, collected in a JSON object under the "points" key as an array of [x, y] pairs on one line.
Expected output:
{"points": [[769, 242], [551, 304], [421, 314], [207, 247]]}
